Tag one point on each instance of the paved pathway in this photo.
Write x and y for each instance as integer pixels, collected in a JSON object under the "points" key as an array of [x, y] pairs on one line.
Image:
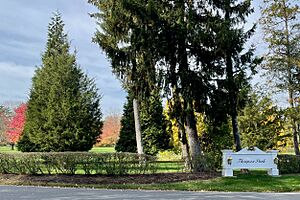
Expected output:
{"points": [[45, 193]]}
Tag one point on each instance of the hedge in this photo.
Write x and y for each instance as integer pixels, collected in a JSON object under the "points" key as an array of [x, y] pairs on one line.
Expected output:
{"points": [[76, 163], [289, 164]]}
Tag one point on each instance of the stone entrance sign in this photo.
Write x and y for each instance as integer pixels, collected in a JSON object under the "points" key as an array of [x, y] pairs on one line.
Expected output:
{"points": [[250, 158]]}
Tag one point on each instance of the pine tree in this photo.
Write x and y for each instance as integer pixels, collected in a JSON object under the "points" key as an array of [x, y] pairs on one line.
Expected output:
{"points": [[127, 141], [231, 55], [126, 40], [64, 107], [280, 23], [155, 137]]}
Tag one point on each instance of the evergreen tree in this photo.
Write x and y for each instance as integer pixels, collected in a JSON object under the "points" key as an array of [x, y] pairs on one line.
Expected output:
{"points": [[140, 35], [64, 106], [153, 124], [280, 23], [126, 39], [127, 141], [154, 133], [195, 44], [231, 55]]}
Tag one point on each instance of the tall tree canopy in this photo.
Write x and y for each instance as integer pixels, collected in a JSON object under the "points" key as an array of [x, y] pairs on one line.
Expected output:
{"points": [[126, 41], [232, 56], [280, 23], [64, 107], [195, 44]]}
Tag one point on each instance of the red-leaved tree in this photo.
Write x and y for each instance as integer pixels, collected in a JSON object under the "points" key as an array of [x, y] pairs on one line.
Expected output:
{"points": [[16, 125], [110, 131]]}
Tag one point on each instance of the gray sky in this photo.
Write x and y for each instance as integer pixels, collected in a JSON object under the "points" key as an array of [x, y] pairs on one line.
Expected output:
{"points": [[23, 35]]}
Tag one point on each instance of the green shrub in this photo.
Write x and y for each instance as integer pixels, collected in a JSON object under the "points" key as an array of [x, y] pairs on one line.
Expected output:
{"points": [[289, 164], [76, 162], [20, 163], [208, 162]]}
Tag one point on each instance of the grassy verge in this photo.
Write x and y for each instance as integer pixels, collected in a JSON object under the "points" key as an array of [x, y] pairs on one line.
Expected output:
{"points": [[254, 182], [7, 149], [103, 149], [242, 183]]}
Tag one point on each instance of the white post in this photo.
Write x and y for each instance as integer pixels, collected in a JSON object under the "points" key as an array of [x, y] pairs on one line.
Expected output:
{"points": [[227, 161], [274, 170]]}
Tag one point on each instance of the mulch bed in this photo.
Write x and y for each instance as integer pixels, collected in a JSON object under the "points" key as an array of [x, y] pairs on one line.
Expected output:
{"points": [[103, 179]]}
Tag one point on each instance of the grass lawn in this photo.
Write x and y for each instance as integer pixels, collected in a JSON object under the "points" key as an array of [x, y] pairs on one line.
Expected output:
{"points": [[103, 149], [253, 182], [7, 149]]}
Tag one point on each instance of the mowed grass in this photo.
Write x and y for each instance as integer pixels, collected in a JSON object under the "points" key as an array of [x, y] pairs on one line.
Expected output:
{"points": [[94, 149], [253, 182], [242, 183], [7, 149], [103, 149]]}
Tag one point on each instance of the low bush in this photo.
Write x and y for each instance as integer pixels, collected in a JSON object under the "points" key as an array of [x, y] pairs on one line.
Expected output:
{"points": [[208, 162], [76, 163], [289, 164]]}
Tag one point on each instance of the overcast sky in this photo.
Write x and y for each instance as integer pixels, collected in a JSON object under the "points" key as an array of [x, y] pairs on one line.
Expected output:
{"points": [[23, 35]]}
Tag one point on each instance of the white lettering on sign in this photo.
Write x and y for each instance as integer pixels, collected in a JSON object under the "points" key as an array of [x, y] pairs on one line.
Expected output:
{"points": [[249, 158]]}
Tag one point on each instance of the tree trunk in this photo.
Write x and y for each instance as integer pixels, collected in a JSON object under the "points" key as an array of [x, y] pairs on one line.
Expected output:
{"points": [[293, 123], [184, 147], [236, 133], [290, 79], [233, 92], [12, 146], [191, 130], [295, 139], [138, 132]]}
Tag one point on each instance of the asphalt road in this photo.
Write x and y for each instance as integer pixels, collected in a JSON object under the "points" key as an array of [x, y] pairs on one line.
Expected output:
{"points": [[45, 193]]}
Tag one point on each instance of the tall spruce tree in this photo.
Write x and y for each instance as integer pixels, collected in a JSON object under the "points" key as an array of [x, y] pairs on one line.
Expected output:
{"points": [[139, 35], [231, 54], [64, 107], [281, 27], [126, 40]]}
